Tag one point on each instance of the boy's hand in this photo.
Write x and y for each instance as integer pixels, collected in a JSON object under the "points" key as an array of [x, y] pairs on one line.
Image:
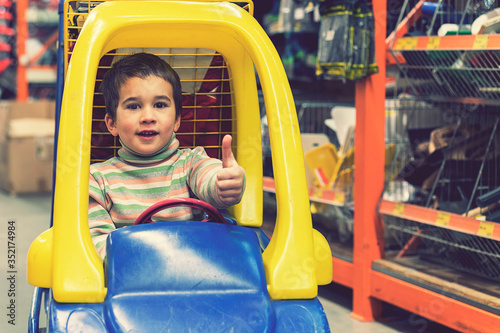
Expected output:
{"points": [[231, 178]]}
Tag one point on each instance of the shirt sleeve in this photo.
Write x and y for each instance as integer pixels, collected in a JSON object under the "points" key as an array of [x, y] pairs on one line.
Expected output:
{"points": [[202, 176], [100, 222]]}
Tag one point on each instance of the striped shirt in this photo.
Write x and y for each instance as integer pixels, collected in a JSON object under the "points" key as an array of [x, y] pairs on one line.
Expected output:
{"points": [[121, 188]]}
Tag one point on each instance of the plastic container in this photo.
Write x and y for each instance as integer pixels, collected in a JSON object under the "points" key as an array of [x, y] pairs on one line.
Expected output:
{"points": [[323, 162]]}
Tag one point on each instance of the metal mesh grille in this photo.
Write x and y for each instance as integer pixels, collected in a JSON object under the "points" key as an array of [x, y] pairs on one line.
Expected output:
{"points": [[207, 95], [439, 57], [447, 74], [207, 112], [428, 17], [455, 249], [312, 116], [447, 156], [333, 204]]}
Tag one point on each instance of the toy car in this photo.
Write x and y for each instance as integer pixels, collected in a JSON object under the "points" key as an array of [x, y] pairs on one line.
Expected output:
{"points": [[183, 276]]}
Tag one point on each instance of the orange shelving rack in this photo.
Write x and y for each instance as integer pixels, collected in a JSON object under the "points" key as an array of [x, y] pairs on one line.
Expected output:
{"points": [[31, 18], [425, 257], [447, 265]]}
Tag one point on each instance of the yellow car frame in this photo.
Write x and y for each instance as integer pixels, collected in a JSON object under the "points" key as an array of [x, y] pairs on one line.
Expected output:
{"points": [[297, 259]]}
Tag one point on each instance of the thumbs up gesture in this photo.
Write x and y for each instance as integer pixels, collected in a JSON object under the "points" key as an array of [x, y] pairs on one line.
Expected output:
{"points": [[231, 178]]}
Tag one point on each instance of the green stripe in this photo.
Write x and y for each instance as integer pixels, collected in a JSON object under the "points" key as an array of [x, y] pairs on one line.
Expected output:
{"points": [[104, 226], [100, 213], [128, 207], [210, 193], [120, 173], [159, 187], [99, 244]]}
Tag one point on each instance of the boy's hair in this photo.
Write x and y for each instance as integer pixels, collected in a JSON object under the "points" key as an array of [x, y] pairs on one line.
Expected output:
{"points": [[139, 65]]}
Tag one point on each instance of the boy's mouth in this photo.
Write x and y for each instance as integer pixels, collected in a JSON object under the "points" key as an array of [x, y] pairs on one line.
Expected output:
{"points": [[147, 134]]}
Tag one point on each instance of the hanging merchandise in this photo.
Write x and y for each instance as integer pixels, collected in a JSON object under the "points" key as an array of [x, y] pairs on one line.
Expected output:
{"points": [[333, 41], [346, 48], [294, 26], [295, 16]]}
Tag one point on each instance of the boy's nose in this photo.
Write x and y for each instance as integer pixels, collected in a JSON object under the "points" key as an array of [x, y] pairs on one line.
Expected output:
{"points": [[147, 115]]}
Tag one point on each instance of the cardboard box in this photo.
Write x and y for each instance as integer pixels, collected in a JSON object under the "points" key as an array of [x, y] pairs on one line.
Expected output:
{"points": [[26, 146]]}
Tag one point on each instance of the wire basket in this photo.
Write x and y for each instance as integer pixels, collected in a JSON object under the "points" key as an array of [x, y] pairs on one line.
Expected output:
{"points": [[447, 157], [447, 154], [465, 252], [444, 52], [452, 74]]}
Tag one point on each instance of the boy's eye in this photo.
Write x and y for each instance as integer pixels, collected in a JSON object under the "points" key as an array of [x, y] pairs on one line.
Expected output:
{"points": [[133, 106], [160, 105]]}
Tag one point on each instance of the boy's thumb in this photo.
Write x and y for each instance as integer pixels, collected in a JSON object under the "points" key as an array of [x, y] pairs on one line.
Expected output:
{"points": [[227, 153]]}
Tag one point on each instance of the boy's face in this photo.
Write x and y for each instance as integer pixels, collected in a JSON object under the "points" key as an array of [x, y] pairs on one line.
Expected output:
{"points": [[145, 117]]}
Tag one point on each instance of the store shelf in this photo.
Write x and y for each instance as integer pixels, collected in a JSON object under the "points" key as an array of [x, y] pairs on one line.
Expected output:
{"points": [[343, 267], [446, 220], [463, 68], [447, 43], [440, 299], [7, 32], [316, 194], [329, 197], [454, 68], [37, 33], [442, 265], [343, 271]]}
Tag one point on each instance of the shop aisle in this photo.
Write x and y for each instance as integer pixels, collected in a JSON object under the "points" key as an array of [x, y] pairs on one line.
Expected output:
{"points": [[31, 214]]}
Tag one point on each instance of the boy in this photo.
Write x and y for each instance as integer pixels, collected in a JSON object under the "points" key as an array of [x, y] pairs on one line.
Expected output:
{"points": [[143, 99]]}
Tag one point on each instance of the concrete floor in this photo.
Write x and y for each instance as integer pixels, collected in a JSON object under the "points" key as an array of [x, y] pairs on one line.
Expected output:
{"points": [[31, 214]]}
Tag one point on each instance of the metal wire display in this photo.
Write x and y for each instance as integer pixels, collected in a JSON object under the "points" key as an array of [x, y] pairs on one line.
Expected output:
{"points": [[446, 153], [441, 55], [447, 157], [207, 96], [462, 251], [327, 131], [332, 203], [461, 75]]}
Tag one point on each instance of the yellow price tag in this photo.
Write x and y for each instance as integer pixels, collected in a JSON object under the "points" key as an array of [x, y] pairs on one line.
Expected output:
{"points": [[406, 43], [399, 209], [433, 43], [443, 219], [486, 229], [339, 197], [480, 42]]}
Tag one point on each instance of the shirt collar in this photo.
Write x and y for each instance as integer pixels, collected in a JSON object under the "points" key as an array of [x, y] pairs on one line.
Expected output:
{"points": [[128, 155]]}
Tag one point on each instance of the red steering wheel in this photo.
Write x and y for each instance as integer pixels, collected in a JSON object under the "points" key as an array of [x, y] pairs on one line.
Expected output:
{"points": [[213, 214]]}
